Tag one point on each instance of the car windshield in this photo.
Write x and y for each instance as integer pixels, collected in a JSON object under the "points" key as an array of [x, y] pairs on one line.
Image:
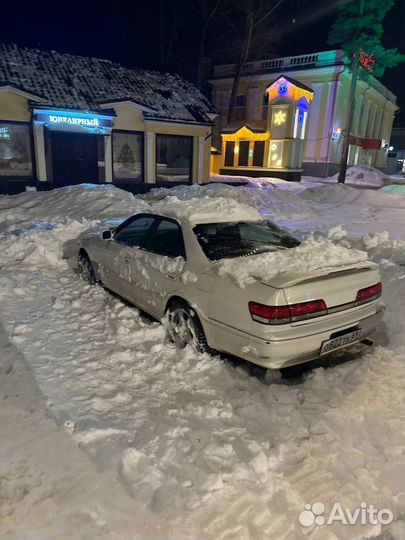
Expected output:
{"points": [[241, 239]]}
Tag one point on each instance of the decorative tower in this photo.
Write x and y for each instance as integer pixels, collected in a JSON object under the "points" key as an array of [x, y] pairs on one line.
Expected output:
{"points": [[289, 102]]}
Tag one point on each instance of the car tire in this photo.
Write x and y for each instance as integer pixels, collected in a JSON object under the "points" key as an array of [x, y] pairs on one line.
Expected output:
{"points": [[184, 327], [85, 269]]}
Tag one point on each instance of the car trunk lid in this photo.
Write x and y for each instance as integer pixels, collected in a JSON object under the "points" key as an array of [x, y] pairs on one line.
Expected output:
{"points": [[337, 286]]}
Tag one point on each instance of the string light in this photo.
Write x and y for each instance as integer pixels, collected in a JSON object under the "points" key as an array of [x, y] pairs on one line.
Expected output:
{"points": [[245, 133]]}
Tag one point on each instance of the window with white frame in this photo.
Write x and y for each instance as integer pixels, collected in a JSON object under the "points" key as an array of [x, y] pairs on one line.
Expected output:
{"points": [[127, 155], [15, 149], [174, 158]]}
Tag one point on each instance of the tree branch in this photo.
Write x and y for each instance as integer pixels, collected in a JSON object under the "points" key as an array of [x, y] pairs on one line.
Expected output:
{"points": [[272, 10]]}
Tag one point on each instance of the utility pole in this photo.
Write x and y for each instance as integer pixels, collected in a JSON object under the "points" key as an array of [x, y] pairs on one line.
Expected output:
{"points": [[350, 111]]}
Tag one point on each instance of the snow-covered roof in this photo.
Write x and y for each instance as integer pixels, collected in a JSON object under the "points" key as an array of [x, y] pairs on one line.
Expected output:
{"points": [[78, 82]]}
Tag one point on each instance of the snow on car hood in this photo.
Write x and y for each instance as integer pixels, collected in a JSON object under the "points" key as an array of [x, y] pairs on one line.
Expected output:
{"points": [[313, 254], [206, 210]]}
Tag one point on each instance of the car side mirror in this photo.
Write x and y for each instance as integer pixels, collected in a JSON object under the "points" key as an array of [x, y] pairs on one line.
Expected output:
{"points": [[106, 235]]}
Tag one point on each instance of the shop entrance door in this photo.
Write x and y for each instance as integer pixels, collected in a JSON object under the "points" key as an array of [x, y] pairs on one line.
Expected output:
{"points": [[74, 158]]}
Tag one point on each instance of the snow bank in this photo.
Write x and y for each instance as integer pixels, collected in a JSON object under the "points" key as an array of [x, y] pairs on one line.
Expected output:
{"points": [[390, 256], [255, 181], [362, 175], [37, 227], [84, 201], [356, 175], [313, 254], [342, 194]]}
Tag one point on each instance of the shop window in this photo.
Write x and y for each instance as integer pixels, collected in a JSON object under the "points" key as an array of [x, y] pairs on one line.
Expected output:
{"points": [[243, 153], [173, 158], [15, 150], [229, 153], [258, 153], [127, 155]]}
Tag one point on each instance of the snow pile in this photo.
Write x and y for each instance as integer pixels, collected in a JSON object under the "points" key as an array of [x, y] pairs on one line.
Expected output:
{"points": [[266, 198], [220, 448], [41, 227], [206, 209], [256, 181], [88, 201], [390, 256], [356, 175], [362, 175], [311, 255], [343, 194]]}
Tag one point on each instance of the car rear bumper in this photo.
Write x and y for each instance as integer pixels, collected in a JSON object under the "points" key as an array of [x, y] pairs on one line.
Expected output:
{"points": [[288, 352]]}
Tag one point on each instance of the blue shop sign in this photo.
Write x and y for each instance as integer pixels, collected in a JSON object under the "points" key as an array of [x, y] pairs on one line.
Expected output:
{"points": [[87, 121]]}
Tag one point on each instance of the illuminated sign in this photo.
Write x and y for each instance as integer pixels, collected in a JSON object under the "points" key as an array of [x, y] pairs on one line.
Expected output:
{"points": [[90, 122]]}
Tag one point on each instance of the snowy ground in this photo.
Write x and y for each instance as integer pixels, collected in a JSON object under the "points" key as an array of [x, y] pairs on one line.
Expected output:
{"points": [[356, 175], [188, 446]]}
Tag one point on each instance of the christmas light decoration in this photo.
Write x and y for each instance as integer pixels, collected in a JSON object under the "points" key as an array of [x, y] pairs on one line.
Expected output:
{"points": [[282, 89], [280, 118], [246, 134], [300, 117], [366, 61]]}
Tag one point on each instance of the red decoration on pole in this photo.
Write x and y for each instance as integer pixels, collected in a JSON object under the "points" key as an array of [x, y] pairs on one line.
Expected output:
{"points": [[366, 61]]}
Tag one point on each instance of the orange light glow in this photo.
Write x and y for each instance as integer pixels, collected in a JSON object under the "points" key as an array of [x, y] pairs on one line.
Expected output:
{"points": [[245, 133]]}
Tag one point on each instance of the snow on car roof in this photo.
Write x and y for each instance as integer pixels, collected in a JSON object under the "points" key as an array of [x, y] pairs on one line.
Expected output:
{"points": [[205, 210]]}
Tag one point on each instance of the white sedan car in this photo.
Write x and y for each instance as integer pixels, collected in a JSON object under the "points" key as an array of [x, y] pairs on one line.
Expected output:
{"points": [[239, 286]]}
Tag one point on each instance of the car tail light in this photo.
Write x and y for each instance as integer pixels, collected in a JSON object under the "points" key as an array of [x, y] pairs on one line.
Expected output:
{"points": [[286, 314], [369, 293]]}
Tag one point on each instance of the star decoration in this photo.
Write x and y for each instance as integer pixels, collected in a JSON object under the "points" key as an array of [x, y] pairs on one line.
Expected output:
{"points": [[280, 117]]}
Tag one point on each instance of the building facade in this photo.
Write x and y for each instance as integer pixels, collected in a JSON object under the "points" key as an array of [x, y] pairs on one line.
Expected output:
{"points": [[326, 74], [67, 119]]}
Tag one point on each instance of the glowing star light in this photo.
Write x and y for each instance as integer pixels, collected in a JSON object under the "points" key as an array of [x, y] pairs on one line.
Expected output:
{"points": [[280, 117]]}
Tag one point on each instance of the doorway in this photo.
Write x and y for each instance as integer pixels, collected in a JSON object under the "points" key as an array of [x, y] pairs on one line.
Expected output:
{"points": [[74, 158]]}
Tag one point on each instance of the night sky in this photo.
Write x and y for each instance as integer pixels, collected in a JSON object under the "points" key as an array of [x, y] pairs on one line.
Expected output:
{"points": [[96, 28]]}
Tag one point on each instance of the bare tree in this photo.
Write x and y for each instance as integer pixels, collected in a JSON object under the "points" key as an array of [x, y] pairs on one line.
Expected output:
{"points": [[254, 14]]}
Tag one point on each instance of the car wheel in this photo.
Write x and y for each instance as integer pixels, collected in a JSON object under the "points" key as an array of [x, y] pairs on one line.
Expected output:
{"points": [[86, 269], [184, 327]]}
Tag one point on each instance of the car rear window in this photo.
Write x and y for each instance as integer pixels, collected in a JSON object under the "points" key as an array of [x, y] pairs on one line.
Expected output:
{"points": [[243, 238]]}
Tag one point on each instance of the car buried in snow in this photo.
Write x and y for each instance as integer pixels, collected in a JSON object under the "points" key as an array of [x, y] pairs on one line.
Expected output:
{"points": [[233, 282]]}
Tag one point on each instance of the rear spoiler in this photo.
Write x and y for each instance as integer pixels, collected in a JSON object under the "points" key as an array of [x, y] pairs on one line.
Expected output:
{"points": [[288, 279]]}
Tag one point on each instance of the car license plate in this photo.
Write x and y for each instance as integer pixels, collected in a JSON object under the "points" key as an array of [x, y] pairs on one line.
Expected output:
{"points": [[341, 341]]}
